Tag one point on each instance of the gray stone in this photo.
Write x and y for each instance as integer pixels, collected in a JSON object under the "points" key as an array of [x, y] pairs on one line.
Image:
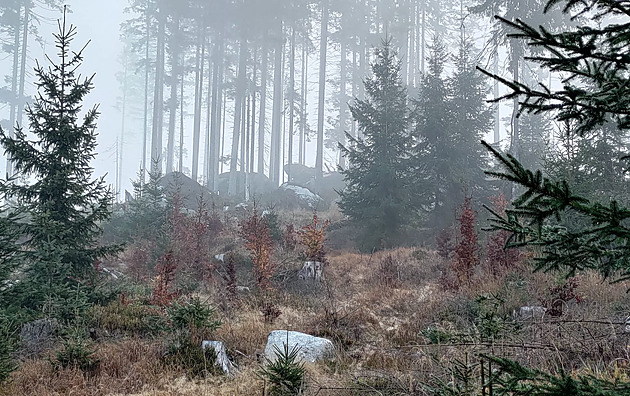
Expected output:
{"points": [[304, 196], [311, 349], [532, 312], [242, 289], [38, 336], [312, 270], [222, 361]]}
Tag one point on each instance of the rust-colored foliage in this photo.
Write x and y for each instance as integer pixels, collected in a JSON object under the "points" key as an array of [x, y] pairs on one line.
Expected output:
{"points": [[560, 295], [190, 237], [255, 231], [313, 237], [163, 281], [270, 311], [466, 252], [289, 238], [498, 257]]}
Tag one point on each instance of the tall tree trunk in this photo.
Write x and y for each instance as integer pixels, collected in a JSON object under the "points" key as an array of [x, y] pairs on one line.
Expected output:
{"points": [[254, 89], [243, 160], [262, 112], [181, 121], [206, 149], [495, 69], [412, 43], [404, 49], [172, 102], [276, 121], [145, 131], [323, 43], [238, 104], [515, 142], [303, 101], [122, 133], [423, 41], [14, 83], [21, 99], [355, 81], [215, 126], [342, 103], [158, 98], [201, 52], [291, 98]]}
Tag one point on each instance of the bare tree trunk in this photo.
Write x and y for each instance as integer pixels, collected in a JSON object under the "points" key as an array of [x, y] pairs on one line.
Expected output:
{"points": [[145, 132], [254, 88], [215, 126], [291, 99], [206, 150], [423, 42], [515, 142], [262, 112], [21, 100], [198, 103], [238, 104], [158, 99], [122, 133], [275, 152], [497, 115], [304, 102], [412, 44], [181, 121], [355, 81], [14, 83], [323, 43], [172, 102], [404, 49], [342, 103]]}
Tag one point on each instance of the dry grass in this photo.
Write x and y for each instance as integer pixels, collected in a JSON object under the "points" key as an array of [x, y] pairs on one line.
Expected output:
{"points": [[377, 316]]}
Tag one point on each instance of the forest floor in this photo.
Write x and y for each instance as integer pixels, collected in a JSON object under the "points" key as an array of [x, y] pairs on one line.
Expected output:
{"points": [[397, 329]]}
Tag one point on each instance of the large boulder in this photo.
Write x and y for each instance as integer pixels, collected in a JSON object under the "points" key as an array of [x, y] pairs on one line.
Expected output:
{"points": [[189, 190], [222, 360], [327, 186], [258, 184], [300, 174], [310, 348], [301, 196], [38, 336]]}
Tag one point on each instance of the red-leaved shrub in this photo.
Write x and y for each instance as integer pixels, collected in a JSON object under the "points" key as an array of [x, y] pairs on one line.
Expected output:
{"points": [[255, 231], [313, 237], [466, 252]]}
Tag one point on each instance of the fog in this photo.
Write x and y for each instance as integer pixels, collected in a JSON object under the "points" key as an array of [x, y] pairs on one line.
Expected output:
{"points": [[198, 45]]}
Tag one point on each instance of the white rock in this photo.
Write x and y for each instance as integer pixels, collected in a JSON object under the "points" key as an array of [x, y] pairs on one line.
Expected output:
{"points": [[222, 358], [529, 313], [242, 289], [220, 257], [303, 193], [311, 348], [312, 270]]}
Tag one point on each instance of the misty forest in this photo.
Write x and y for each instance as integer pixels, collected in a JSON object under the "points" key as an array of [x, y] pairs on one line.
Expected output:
{"points": [[300, 197]]}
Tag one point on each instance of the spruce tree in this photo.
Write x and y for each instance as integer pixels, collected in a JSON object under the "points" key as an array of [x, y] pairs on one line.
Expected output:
{"points": [[595, 90], [377, 198], [451, 116], [432, 143], [60, 207]]}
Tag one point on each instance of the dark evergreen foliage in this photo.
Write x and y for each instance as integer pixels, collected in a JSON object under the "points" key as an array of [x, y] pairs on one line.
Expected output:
{"points": [[594, 93], [59, 207], [511, 378], [451, 116], [378, 196]]}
